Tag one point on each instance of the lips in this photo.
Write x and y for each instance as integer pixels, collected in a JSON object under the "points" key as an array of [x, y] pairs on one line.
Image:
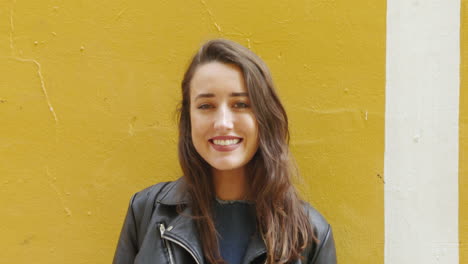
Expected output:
{"points": [[225, 143]]}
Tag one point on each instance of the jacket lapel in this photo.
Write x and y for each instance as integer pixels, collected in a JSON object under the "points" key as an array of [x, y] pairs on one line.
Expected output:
{"points": [[183, 230], [255, 249]]}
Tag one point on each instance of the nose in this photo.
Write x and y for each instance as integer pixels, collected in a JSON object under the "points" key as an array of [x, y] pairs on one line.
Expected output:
{"points": [[223, 119]]}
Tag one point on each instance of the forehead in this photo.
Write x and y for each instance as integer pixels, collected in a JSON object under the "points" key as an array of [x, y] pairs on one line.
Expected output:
{"points": [[217, 78]]}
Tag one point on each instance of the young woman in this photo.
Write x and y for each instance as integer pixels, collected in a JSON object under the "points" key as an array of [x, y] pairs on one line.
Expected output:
{"points": [[235, 202]]}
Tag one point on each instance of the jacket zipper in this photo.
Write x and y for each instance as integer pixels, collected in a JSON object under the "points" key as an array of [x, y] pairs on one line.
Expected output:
{"points": [[162, 229]]}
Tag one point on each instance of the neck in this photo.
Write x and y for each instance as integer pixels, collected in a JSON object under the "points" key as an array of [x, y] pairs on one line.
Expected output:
{"points": [[230, 185]]}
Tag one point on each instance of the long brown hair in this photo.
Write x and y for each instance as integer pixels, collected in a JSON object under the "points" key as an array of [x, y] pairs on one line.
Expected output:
{"points": [[281, 219]]}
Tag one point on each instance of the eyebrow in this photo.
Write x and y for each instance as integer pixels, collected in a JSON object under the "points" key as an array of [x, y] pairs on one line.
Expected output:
{"points": [[210, 95]]}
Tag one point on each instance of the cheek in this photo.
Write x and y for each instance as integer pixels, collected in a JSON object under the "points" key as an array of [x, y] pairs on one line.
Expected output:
{"points": [[252, 125], [256, 133], [198, 127]]}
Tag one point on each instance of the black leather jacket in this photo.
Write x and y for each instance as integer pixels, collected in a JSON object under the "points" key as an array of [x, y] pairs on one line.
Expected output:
{"points": [[153, 232]]}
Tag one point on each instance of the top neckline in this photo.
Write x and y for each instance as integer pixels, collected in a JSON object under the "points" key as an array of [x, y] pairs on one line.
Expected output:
{"points": [[226, 202]]}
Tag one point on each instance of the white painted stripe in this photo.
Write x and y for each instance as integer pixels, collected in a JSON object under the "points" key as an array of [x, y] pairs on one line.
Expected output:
{"points": [[421, 142]]}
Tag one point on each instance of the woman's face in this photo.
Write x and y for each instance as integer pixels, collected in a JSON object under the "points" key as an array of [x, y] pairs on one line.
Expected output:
{"points": [[224, 128]]}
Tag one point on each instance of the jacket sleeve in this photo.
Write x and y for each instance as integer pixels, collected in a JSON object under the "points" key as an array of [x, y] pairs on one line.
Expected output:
{"points": [[326, 252], [127, 245]]}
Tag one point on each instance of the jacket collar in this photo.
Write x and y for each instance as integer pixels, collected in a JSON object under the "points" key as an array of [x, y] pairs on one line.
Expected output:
{"points": [[185, 230], [175, 193]]}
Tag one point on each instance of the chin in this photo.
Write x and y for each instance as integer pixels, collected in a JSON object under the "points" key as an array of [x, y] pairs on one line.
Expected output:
{"points": [[226, 165]]}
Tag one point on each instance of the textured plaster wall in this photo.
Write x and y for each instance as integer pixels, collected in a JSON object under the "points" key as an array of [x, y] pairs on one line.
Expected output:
{"points": [[88, 91], [463, 179]]}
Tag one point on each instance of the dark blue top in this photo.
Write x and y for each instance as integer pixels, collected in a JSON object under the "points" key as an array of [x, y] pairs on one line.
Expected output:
{"points": [[235, 223]]}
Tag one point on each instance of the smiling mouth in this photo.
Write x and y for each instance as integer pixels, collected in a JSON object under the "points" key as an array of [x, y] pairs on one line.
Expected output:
{"points": [[226, 142]]}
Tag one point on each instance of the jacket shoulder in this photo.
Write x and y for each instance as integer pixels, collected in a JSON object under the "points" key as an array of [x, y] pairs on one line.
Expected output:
{"points": [[323, 251], [136, 223], [141, 198], [319, 223]]}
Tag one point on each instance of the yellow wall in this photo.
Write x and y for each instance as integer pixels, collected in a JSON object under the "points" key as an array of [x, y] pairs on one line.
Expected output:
{"points": [[87, 97], [463, 179]]}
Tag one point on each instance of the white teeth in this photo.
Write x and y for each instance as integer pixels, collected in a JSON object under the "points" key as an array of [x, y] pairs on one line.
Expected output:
{"points": [[226, 142]]}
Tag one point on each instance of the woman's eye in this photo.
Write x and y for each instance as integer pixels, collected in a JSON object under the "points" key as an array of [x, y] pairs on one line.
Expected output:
{"points": [[241, 105], [204, 106]]}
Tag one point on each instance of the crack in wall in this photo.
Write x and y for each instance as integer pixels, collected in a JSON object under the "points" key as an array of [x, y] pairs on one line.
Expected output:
{"points": [[12, 29], [52, 185], [38, 65], [240, 34], [43, 87], [120, 13], [210, 14]]}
